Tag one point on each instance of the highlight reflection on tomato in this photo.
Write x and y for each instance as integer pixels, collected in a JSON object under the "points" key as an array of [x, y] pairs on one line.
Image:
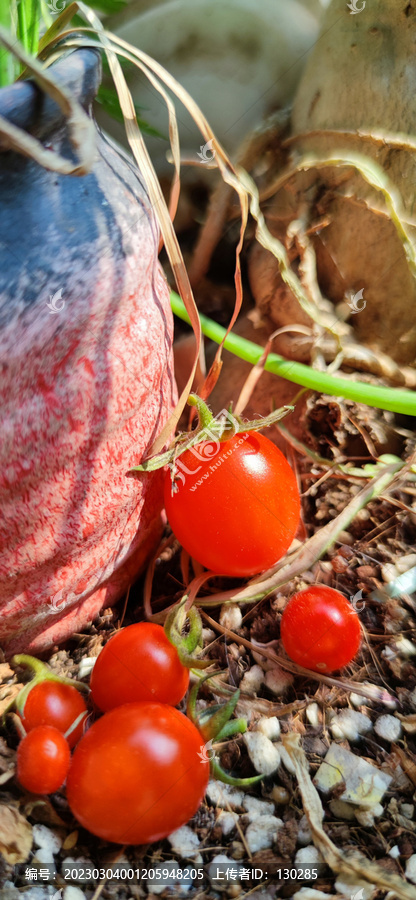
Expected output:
{"points": [[237, 506]]}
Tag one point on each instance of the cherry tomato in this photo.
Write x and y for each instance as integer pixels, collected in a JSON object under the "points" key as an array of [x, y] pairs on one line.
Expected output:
{"points": [[138, 773], [320, 629], [53, 703], [138, 663], [43, 757], [236, 508]]}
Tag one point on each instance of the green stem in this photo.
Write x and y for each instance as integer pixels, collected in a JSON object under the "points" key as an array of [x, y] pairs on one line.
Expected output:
{"points": [[221, 775], [204, 413], [235, 726], [9, 66], [43, 673], [34, 20], [22, 25], [392, 399], [215, 725]]}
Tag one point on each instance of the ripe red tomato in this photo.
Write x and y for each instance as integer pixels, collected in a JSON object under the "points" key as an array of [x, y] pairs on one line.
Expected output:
{"points": [[137, 774], [43, 757], [138, 663], [237, 506], [57, 704], [320, 629]]}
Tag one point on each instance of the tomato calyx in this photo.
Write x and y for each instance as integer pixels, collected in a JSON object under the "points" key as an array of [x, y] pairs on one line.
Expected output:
{"points": [[42, 673], [219, 428], [190, 644], [215, 724]]}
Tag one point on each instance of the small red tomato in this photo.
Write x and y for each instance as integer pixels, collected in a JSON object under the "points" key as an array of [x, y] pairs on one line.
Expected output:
{"points": [[43, 757], [236, 508], [320, 630], [57, 704], [138, 774], [138, 663]]}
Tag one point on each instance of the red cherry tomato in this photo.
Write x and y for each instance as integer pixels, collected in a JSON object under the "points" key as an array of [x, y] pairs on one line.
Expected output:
{"points": [[320, 629], [138, 773], [43, 757], [53, 703], [138, 663], [236, 508]]}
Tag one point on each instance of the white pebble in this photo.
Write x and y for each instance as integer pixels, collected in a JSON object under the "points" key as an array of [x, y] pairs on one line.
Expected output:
{"points": [[394, 852], [185, 843], [304, 832], [10, 892], [388, 728], [405, 563], [410, 870], [263, 754], [407, 810], [358, 700], [256, 807], [44, 856], [389, 572], [404, 647], [307, 893], [308, 854], [343, 810], [365, 817], [261, 833], [86, 666], [37, 893], [71, 892], [224, 795], [361, 890], [252, 680], [270, 726], [412, 698], [350, 724], [208, 635], [231, 616], [227, 821], [44, 837], [312, 714], [278, 680]]}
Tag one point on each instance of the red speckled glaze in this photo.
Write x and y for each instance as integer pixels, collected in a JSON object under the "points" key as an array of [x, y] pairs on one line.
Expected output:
{"points": [[83, 391]]}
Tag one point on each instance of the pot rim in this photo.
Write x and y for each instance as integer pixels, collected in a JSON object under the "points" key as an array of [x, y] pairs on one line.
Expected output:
{"points": [[25, 105]]}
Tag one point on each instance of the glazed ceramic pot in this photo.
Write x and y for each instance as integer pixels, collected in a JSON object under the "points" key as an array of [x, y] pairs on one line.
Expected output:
{"points": [[86, 373]]}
